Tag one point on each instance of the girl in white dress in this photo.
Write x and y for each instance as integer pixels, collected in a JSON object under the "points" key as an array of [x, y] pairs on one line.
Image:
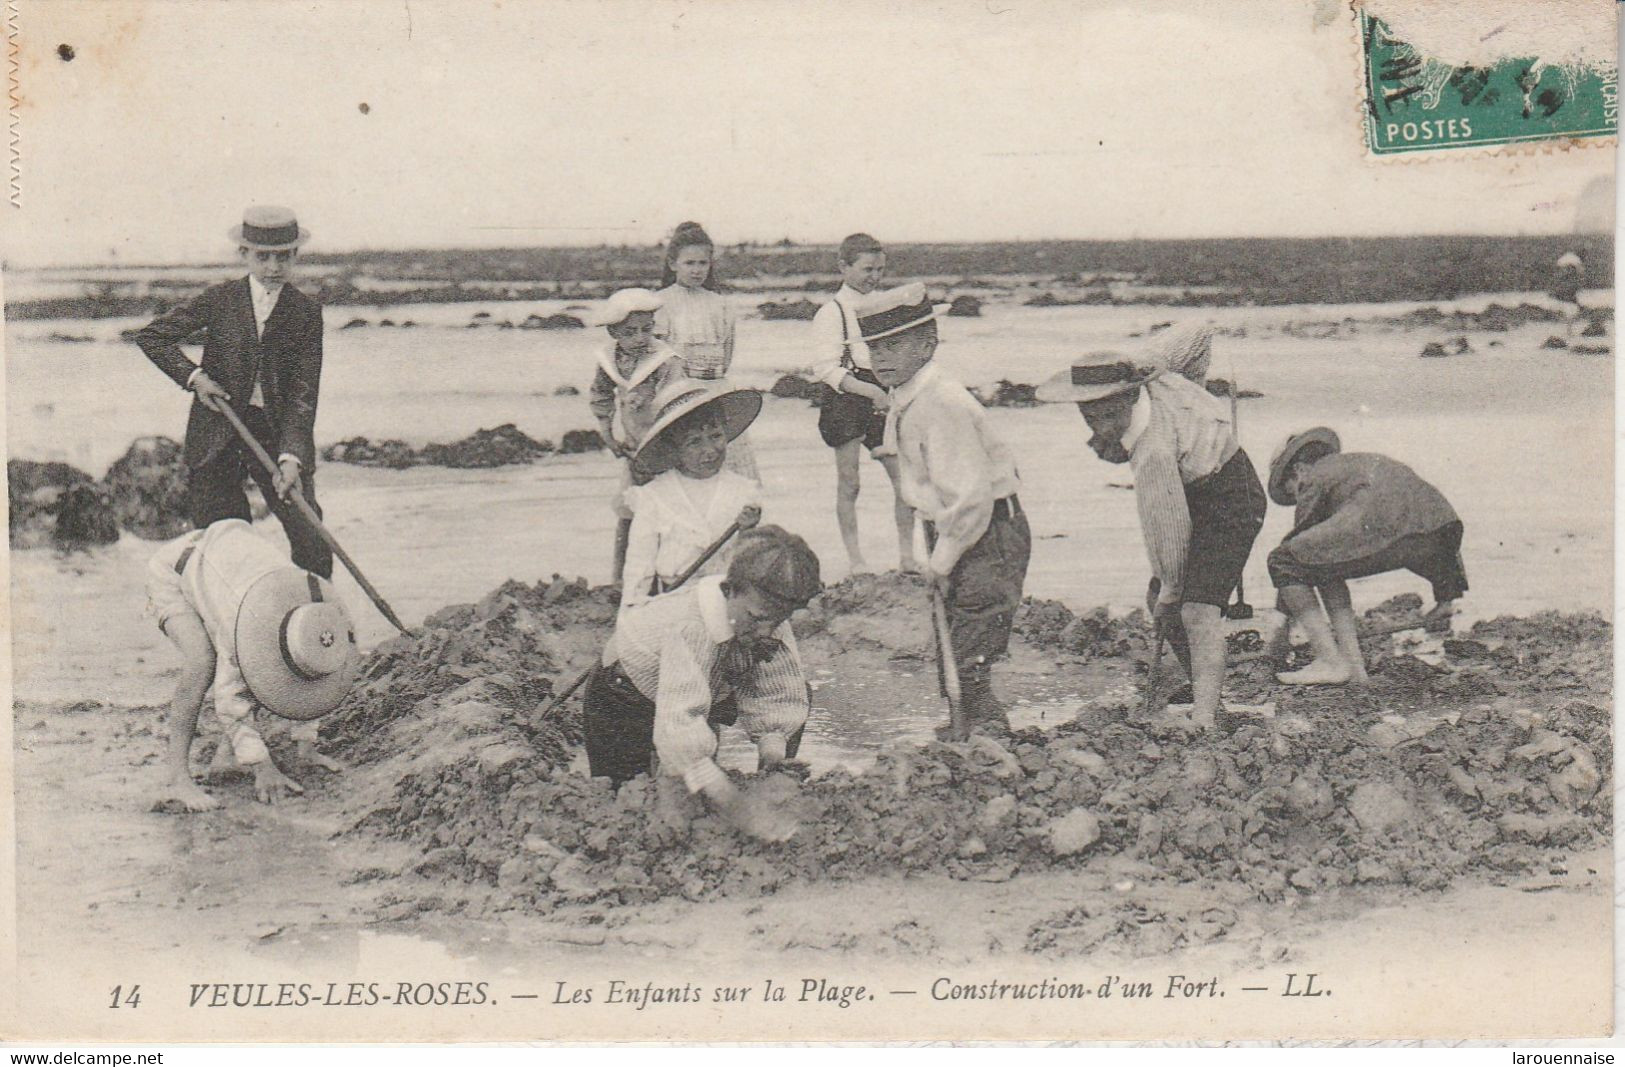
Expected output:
{"points": [[695, 319], [690, 499]]}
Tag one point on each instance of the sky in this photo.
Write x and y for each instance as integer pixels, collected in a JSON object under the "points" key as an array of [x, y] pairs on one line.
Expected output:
{"points": [[477, 123]]}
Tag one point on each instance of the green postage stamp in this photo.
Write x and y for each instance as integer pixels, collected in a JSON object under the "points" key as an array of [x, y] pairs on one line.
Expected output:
{"points": [[1418, 102]]}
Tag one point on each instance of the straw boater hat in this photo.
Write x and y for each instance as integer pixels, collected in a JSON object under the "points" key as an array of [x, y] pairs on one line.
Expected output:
{"points": [[270, 228], [624, 302], [891, 312], [737, 408], [1096, 376], [295, 644], [1323, 438]]}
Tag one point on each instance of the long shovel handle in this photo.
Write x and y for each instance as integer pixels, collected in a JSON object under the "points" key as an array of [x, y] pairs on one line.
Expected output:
{"points": [[1151, 674], [950, 669], [947, 668], [693, 568], [310, 516]]}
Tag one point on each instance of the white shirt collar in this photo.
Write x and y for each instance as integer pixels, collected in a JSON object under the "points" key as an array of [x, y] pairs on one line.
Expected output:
{"points": [[1139, 418], [910, 391], [713, 608], [262, 292]]}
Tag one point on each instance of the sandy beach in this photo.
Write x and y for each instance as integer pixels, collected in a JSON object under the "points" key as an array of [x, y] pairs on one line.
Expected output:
{"points": [[1516, 435]]}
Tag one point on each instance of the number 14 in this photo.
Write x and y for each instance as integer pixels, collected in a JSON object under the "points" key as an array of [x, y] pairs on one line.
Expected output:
{"points": [[122, 999]]}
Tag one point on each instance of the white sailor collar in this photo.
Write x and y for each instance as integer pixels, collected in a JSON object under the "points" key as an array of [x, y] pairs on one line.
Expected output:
{"points": [[659, 354]]}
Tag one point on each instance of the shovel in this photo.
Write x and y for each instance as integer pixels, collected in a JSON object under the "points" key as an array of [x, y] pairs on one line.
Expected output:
{"points": [[704, 558], [310, 516], [947, 668]]}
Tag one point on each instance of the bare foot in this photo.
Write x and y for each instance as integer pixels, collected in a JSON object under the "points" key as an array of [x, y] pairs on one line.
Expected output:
{"points": [[309, 756], [271, 785], [1317, 673], [184, 795], [909, 565], [223, 762], [1437, 621], [860, 566]]}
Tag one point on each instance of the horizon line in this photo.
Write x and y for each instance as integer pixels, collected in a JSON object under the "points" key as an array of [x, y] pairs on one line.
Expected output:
{"points": [[814, 245]]}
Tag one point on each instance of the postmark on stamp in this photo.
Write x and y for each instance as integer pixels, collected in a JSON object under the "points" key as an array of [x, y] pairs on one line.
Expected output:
{"points": [[1419, 100]]}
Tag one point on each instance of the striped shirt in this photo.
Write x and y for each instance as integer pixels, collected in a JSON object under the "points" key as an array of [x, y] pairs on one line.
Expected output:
{"points": [[675, 649], [953, 466], [1178, 433]]}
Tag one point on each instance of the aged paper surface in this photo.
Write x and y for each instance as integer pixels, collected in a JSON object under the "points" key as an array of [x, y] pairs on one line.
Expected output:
{"points": [[1426, 856]]}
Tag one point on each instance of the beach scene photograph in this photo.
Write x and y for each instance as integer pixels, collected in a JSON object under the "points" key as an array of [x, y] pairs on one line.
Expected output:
{"points": [[656, 521]]}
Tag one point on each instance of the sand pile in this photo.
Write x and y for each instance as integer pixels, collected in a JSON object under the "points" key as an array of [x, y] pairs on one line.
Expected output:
{"points": [[500, 447], [1488, 762]]}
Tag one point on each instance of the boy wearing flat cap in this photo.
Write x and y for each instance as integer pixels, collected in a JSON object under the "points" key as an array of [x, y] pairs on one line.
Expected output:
{"points": [[262, 355], [1358, 514], [676, 660], [1200, 501], [959, 477], [264, 635]]}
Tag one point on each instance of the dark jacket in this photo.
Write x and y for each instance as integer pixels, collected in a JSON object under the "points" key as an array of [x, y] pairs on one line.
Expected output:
{"points": [[289, 357]]}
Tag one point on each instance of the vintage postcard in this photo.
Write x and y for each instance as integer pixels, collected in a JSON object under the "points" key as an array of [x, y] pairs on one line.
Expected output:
{"points": [[650, 520]]}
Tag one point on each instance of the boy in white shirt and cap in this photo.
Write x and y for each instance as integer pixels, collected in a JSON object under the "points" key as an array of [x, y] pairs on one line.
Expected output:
{"points": [[632, 368], [959, 477], [264, 635]]}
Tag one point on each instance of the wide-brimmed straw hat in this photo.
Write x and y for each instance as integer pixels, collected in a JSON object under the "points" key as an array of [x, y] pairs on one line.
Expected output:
{"points": [[295, 644], [894, 311], [624, 302], [1290, 450], [270, 228], [737, 409], [1095, 376]]}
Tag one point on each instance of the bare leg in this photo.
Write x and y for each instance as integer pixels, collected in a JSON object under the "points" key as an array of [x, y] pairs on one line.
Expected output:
{"points": [[846, 501], [188, 634], [903, 514], [1345, 629], [1329, 667], [1204, 630]]}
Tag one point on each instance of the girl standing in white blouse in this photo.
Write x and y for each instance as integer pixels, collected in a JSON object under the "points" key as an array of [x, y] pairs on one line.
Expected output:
{"points": [[690, 499], [695, 320]]}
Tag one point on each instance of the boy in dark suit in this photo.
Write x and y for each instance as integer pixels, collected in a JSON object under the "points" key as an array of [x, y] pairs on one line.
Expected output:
{"points": [[262, 354]]}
